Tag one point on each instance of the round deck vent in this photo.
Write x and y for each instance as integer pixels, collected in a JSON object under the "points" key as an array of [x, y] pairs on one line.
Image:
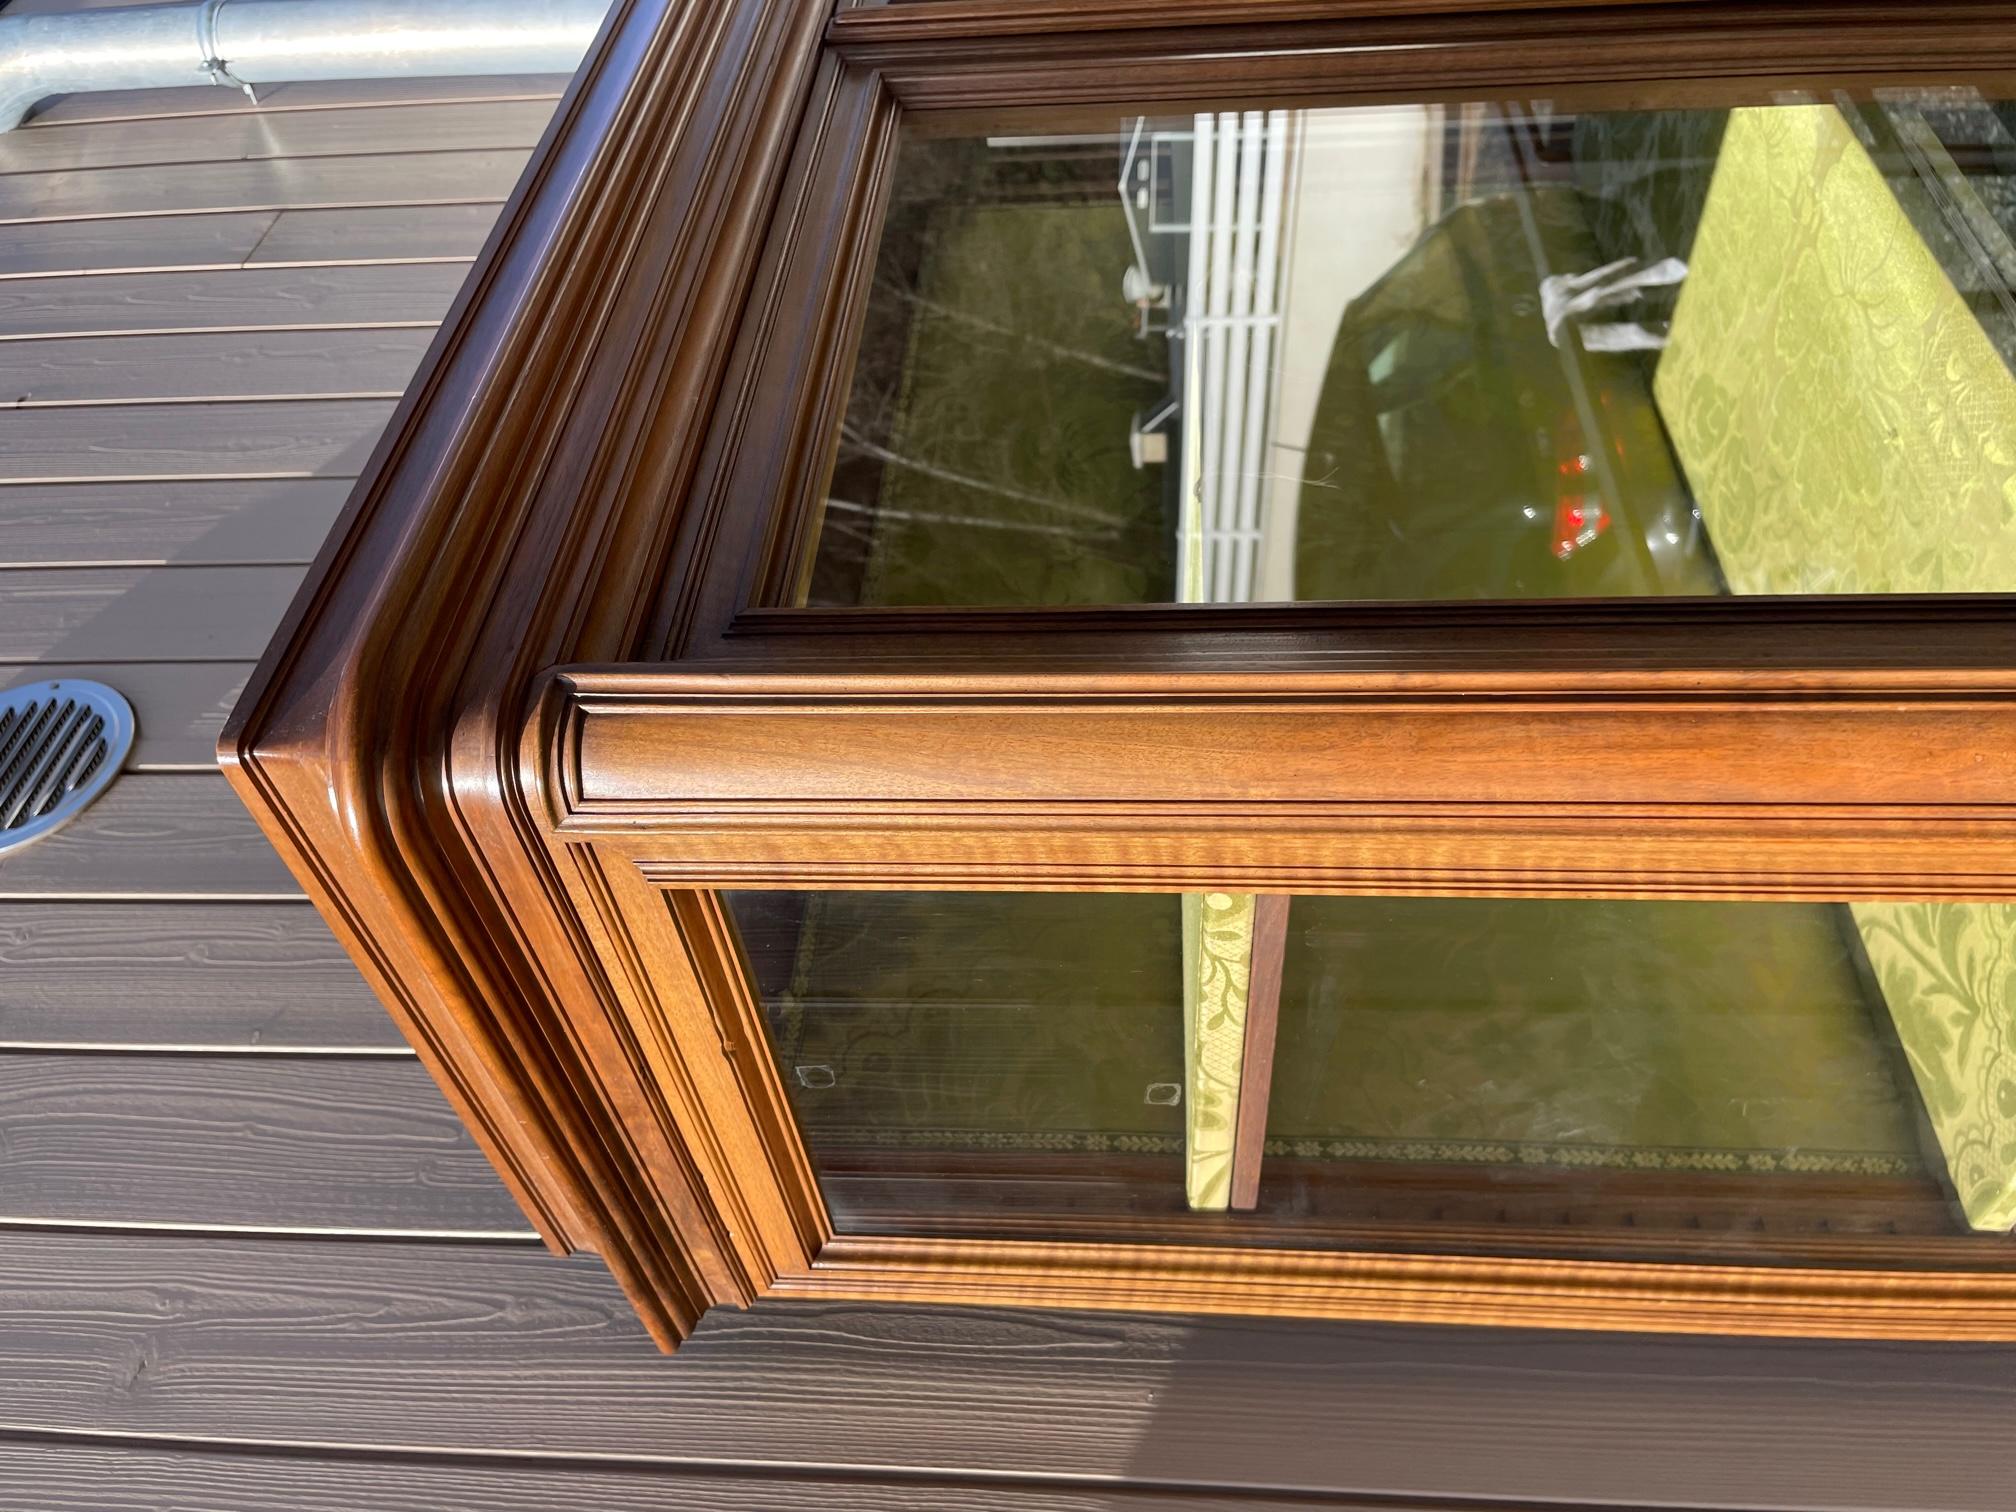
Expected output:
{"points": [[61, 743]]}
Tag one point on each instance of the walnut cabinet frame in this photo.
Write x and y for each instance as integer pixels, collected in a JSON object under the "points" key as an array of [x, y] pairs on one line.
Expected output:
{"points": [[534, 707]]}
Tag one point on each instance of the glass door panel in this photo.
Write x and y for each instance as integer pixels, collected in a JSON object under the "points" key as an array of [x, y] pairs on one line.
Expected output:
{"points": [[1499, 350], [1554, 1076]]}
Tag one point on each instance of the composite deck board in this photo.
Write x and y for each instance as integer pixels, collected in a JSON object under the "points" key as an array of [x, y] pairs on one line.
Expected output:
{"points": [[379, 233], [296, 437], [478, 1347], [178, 707], [165, 241], [273, 1142], [224, 976], [246, 238], [152, 835], [415, 177], [255, 135], [225, 299], [64, 1477], [132, 614], [320, 95], [191, 522], [211, 364]]}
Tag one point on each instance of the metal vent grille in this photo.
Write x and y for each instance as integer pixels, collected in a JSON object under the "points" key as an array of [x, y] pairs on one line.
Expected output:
{"points": [[61, 743]]}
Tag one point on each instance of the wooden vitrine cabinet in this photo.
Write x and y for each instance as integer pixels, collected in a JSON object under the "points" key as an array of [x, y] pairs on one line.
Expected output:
{"points": [[1324, 657]]}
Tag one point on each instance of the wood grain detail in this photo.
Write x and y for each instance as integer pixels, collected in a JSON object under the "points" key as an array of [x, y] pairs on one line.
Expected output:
{"points": [[66, 1477], [184, 1338], [180, 706], [584, 355], [140, 614], [157, 835], [1256, 1064], [389, 294], [321, 1143], [254, 977], [186, 522], [519, 829]]}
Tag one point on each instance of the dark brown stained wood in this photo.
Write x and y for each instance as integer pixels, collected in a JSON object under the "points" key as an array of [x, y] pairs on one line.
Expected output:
{"points": [[617, 279], [861, 21], [481, 1348], [409, 130], [257, 237], [167, 241], [152, 835], [200, 523], [360, 94], [232, 299], [214, 365], [377, 233], [316, 1142], [223, 976], [55, 1476], [1415, 52], [414, 178], [178, 706], [286, 437], [1256, 1064], [78, 614]]}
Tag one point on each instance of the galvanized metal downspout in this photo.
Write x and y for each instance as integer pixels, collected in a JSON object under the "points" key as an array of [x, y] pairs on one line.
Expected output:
{"points": [[253, 42]]}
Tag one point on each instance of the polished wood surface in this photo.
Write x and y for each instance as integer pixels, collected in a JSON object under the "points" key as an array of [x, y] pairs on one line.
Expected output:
{"points": [[1363, 782], [532, 708], [508, 501], [1638, 1295], [1256, 1063]]}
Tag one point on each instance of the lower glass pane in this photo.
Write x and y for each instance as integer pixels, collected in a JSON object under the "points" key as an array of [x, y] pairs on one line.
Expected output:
{"points": [[1745, 1080]]}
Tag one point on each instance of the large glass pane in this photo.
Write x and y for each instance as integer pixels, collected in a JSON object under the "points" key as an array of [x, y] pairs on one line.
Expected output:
{"points": [[1507, 349], [1746, 1080]]}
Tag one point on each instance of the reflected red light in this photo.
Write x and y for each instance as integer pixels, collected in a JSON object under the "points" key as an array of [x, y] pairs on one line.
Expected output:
{"points": [[1578, 520]]}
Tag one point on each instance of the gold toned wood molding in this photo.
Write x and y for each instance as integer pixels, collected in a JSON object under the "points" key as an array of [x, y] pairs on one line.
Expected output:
{"points": [[1637, 1295], [1348, 783]]}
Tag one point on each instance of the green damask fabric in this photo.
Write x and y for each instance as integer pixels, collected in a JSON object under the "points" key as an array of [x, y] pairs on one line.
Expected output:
{"points": [[1948, 972], [1217, 965], [1846, 425], [1849, 427]]}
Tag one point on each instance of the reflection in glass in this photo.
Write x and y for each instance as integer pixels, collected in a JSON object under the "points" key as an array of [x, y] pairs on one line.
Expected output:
{"points": [[1552, 1074], [932, 1047], [1500, 350]]}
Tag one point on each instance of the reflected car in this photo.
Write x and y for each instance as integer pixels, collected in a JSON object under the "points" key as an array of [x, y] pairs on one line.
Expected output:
{"points": [[1458, 452]]}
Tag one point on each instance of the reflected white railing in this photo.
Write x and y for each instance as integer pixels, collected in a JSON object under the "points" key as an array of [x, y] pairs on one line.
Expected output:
{"points": [[1230, 316]]}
